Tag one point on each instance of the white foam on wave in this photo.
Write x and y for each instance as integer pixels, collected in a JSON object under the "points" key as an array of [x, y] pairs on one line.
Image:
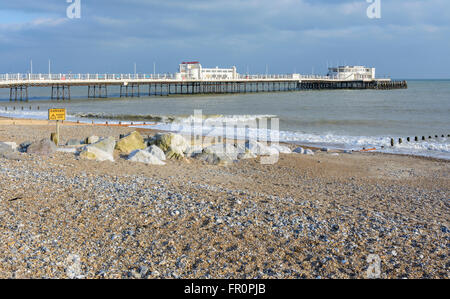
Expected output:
{"points": [[24, 114], [439, 148], [213, 125]]}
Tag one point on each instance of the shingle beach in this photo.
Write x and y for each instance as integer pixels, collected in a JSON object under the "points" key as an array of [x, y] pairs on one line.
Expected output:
{"points": [[307, 216]]}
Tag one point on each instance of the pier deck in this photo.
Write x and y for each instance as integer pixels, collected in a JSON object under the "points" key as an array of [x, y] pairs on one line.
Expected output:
{"points": [[164, 85]]}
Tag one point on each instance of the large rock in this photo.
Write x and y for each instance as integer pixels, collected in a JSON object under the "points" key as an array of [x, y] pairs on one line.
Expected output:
{"points": [[92, 139], [8, 151], [24, 146], [4, 146], [246, 155], [301, 150], [73, 142], [218, 154], [157, 152], [44, 147], [192, 151], [281, 149], [261, 149], [100, 151], [228, 150], [174, 145], [214, 159], [142, 156], [131, 142]]}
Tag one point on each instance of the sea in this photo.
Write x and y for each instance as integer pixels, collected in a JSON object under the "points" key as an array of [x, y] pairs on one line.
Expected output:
{"points": [[336, 119]]}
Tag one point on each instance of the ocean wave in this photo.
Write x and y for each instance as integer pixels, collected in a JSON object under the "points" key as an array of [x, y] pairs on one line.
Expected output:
{"points": [[214, 125], [208, 118], [439, 147], [124, 117]]}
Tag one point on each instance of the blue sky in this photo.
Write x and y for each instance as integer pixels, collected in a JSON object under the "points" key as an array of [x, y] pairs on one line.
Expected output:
{"points": [[411, 40]]}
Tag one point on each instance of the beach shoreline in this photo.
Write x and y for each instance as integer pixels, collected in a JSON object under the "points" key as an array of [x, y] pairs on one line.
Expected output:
{"points": [[317, 216], [149, 131]]}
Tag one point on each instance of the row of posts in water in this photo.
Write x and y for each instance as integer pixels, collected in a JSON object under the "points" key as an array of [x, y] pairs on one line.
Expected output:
{"points": [[22, 108], [416, 139]]}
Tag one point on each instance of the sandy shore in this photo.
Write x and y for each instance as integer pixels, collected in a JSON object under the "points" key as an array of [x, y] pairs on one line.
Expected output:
{"points": [[304, 217]]}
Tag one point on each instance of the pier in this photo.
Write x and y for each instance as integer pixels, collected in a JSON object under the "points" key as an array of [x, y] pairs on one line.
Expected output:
{"points": [[136, 85]]}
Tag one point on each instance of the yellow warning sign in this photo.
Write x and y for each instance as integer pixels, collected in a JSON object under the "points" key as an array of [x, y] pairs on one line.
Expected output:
{"points": [[56, 114]]}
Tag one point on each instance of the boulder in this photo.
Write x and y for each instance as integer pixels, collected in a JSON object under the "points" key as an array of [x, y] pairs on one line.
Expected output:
{"points": [[171, 155], [214, 159], [8, 151], [309, 152], [157, 152], [281, 149], [244, 153], [191, 151], [44, 147], [228, 150], [100, 151], [12, 145], [300, 150], [6, 147], [174, 145], [247, 155], [24, 146], [71, 150], [131, 142], [73, 142], [92, 139], [143, 156], [259, 148]]}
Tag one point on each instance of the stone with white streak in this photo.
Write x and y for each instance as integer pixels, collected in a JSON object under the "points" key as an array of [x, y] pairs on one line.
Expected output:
{"points": [[143, 156], [103, 150], [157, 152]]}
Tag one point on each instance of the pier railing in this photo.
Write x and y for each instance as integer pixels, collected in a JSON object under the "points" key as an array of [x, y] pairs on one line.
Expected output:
{"points": [[84, 77], [117, 77]]}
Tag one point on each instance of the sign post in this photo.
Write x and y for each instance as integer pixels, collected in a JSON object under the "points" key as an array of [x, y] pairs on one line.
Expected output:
{"points": [[57, 114]]}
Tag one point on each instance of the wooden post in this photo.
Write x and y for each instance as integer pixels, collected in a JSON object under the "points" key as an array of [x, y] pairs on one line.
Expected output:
{"points": [[57, 133]]}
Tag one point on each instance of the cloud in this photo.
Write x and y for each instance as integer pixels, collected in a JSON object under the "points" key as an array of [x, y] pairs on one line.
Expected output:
{"points": [[111, 33]]}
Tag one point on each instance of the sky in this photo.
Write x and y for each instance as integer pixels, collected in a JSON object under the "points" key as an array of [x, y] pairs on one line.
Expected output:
{"points": [[410, 40]]}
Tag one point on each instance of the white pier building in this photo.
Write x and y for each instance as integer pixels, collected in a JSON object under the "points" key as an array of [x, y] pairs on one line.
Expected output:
{"points": [[195, 71], [352, 73]]}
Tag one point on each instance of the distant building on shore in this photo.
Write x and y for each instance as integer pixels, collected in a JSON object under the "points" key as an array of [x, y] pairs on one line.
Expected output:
{"points": [[195, 71], [352, 73]]}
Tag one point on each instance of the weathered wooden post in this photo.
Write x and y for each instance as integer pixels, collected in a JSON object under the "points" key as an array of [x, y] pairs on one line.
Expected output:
{"points": [[58, 115]]}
